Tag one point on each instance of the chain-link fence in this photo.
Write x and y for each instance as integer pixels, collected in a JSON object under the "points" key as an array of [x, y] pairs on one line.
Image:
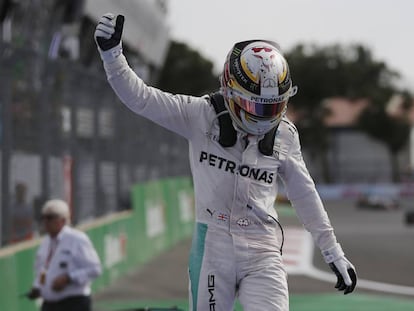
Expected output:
{"points": [[63, 133]]}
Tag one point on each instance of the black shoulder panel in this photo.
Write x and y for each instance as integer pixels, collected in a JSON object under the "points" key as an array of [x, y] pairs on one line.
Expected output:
{"points": [[228, 135], [267, 143]]}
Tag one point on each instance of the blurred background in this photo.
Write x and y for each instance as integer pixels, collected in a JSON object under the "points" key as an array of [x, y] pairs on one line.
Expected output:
{"points": [[64, 134]]}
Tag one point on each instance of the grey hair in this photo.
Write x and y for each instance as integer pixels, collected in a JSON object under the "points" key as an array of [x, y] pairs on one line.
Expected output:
{"points": [[57, 207]]}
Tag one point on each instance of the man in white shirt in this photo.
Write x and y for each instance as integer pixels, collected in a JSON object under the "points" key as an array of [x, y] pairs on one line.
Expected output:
{"points": [[66, 263]]}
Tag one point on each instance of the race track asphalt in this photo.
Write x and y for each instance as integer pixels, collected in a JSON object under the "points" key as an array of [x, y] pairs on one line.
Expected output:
{"points": [[378, 243]]}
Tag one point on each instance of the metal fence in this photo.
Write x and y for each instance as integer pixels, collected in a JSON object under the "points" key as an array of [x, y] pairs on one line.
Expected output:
{"points": [[63, 133]]}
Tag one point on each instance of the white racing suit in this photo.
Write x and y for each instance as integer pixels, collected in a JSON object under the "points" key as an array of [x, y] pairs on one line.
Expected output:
{"points": [[235, 250]]}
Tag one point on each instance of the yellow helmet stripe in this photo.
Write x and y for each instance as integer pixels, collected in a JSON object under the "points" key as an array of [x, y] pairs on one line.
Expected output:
{"points": [[283, 75], [246, 69]]}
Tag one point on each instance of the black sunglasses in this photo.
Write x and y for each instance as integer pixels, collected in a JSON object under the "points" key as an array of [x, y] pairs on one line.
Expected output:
{"points": [[49, 217]]}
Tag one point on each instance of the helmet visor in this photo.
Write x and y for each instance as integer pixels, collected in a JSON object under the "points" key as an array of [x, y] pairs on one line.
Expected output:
{"points": [[265, 111]]}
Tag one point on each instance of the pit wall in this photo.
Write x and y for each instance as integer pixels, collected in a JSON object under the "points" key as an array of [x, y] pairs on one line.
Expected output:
{"points": [[162, 214]]}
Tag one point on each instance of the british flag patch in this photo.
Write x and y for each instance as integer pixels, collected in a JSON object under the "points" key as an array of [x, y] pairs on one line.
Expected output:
{"points": [[222, 217]]}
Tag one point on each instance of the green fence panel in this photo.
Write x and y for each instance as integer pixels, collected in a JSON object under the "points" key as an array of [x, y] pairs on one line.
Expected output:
{"points": [[112, 243], [95, 236], [24, 263], [171, 189], [186, 206], [156, 228], [9, 295], [139, 223]]}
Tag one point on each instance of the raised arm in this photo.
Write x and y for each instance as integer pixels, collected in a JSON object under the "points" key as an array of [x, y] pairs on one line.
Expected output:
{"points": [[177, 113]]}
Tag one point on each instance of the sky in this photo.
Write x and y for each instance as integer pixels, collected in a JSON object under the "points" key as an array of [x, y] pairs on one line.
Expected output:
{"points": [[386, 27]]}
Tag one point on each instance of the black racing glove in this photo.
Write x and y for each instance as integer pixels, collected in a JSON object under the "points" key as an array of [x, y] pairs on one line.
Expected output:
{"points": [[108, 34], [340, 283], [33, 294], [342, 267]]}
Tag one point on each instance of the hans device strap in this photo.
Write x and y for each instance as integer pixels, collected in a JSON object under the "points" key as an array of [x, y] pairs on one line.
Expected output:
{"points": [[228, 134]]}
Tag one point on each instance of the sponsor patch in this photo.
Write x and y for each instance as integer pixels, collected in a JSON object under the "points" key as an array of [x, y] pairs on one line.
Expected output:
{"points": [[232, 167], [211, 294], [243, 222]]}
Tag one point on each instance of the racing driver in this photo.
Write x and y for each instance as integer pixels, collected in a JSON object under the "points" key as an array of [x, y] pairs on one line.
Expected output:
{"points": [[239, 142]]}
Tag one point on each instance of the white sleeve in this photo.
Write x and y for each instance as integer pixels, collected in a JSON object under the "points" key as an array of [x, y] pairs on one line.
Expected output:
{"points": [[87, 263], [301, 191], [177, 113]]}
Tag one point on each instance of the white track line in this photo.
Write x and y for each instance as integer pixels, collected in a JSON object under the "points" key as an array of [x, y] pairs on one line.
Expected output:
{"points": [[298, 258]]}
